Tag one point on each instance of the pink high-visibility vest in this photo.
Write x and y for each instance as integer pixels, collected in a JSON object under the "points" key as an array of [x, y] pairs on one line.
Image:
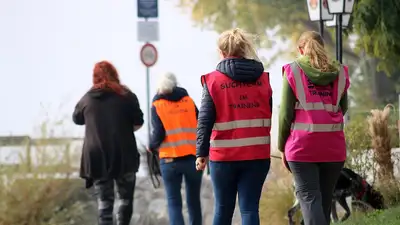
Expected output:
{"points": [[317, 130]]}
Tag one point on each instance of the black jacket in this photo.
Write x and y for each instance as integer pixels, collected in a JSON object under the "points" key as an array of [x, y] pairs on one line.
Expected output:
{"points": [[109, 148], [238, 69], [158, 131]]}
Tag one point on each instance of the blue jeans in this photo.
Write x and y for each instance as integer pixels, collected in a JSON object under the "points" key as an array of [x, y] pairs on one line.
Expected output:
{"points": [[172, 174], [242, 178]]}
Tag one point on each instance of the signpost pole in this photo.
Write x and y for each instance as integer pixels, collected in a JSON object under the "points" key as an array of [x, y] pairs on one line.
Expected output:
{"points": [[148, 103], [148, 100], [148, 32], [148, 56]]}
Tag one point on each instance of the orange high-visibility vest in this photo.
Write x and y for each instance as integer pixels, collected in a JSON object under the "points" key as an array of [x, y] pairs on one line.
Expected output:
{"points": [[180, 124]]}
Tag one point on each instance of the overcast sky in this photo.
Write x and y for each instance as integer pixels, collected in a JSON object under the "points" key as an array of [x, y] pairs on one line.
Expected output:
{"points": [[48, 49]]}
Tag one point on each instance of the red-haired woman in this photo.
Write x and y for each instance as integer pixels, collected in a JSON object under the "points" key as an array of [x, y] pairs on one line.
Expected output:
{"points": [[110, 113]]}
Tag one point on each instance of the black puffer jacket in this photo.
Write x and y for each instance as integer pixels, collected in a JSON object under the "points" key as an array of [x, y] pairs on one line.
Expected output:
{"points": [[238, 69], [158, 131]]}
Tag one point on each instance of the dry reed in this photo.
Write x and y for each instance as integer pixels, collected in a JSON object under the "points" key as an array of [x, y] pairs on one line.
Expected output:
{"points": [[379, 131]]}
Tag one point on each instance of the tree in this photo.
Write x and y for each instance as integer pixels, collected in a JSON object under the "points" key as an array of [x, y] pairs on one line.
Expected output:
{"points": [[272, 20], [371, 88], [377, 25], [375, 22]]}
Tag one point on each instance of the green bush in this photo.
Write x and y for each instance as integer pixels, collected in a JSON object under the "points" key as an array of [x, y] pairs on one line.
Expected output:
{"points": [[32, 193], [43, 202], [358, 143], [362, 160]]}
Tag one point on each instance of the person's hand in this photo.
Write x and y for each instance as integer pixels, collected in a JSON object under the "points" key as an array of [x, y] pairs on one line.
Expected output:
{"points": [[201, 163]]}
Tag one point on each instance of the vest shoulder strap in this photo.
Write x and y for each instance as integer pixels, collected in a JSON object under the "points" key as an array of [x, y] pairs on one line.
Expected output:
{"points": [[266, 74], [301, 96], [283, 70], [203, 80], [341, 84]]}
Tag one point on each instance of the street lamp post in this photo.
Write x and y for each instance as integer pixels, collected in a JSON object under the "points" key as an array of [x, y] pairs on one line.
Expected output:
{"points": [[345, 19], [340, 9], [318, 11], [335, 13]]}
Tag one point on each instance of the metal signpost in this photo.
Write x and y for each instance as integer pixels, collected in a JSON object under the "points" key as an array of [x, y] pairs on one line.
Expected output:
{"points": [[147, 8], [148, 56], [148, 31]]}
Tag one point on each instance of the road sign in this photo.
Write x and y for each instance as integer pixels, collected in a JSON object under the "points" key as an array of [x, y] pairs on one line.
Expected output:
{"points": [[148, 55], [147, 8], [148, 31]]}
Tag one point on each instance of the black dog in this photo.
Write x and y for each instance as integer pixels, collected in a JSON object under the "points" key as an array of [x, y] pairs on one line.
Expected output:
{"points": [[349, 184]]}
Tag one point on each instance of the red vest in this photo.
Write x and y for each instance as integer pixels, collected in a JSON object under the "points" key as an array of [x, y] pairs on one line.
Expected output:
{"points": [[243, 118]]}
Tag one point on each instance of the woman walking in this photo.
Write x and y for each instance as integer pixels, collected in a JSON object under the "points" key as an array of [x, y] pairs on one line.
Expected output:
{"points": [[314, 100], [233, 129], [110, 113], [174, 121]]}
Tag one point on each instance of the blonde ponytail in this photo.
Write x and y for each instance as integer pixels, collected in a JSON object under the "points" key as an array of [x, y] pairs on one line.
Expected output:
{"points": [[237, 43], [312, 45]]}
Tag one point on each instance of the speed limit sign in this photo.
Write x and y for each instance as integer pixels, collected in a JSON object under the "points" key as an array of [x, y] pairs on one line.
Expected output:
{"points": [[148, 55]]}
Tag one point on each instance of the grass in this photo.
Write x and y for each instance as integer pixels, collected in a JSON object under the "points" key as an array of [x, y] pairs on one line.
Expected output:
{"points": [[277, 196], [43, 202], [34, 200], [382, 217]]}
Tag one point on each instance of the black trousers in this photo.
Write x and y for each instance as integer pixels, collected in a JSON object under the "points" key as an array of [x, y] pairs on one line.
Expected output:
{"points": [[315, 183], [104, 191]]}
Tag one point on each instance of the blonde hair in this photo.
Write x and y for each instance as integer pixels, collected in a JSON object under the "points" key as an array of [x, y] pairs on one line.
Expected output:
{"points": [[312, 44], [237, 43], [166, 83]]}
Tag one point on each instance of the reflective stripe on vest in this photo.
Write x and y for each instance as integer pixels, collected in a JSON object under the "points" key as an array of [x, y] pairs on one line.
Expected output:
{"points": [[180, 142], [303, 104], [180, 130], [177, 143], [242, 124], [241, 142], [318, 127]]}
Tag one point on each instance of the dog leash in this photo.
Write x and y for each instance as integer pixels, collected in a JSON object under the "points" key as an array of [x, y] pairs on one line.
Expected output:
{"points": [[276, 157], [153, 164]]}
